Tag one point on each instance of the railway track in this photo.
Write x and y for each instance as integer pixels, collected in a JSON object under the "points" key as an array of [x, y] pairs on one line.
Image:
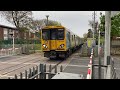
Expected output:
{"points": [[18, 68], [18, 64], [10, 71]]}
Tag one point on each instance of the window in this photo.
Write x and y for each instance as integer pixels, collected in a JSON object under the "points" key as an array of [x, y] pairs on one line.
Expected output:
{"points": [[72, 37], [60, 34], [45, 34], [53, 35]]}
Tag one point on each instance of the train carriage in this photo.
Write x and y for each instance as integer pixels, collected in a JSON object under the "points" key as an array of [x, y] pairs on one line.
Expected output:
{"points": [[58, 41]]}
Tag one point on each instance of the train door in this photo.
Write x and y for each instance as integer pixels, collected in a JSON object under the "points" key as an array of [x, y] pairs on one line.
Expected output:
{"points": [[53, 38]]}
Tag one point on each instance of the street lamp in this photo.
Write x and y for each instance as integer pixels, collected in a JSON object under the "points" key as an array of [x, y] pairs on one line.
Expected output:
{"points": [[47, 19]]}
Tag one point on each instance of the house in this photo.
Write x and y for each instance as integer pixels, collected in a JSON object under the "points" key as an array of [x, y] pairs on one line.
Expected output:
{"points": [[6, 33]]}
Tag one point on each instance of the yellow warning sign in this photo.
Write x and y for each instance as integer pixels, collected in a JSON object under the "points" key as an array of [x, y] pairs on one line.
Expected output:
{"points": [[89, 42]]}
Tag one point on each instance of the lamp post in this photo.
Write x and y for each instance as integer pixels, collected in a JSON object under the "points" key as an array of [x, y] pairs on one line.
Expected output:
{"points": [[107, 38], [47, 19]]}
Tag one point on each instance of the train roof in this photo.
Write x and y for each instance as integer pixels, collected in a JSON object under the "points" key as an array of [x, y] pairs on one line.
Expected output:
{"points": [[47, 27]]}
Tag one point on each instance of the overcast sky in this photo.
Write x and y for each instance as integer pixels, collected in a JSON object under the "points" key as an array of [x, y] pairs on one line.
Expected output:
{"points": [[76, 21]]}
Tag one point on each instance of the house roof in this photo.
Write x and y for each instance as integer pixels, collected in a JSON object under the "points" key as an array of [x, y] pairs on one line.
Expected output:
{"points": [[4, 26]]}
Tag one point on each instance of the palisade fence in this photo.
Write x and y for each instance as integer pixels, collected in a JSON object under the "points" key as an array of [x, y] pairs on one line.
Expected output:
{"points": [[39, 72], [21, 46]]}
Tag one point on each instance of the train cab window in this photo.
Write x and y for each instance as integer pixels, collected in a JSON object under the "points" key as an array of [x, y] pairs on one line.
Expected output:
{"points": [[53, 35], [45, 34], [60, 34]]}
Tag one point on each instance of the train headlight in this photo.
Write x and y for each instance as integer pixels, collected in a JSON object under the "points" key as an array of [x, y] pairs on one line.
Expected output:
{"points": [[62, 45], [45, 46]]}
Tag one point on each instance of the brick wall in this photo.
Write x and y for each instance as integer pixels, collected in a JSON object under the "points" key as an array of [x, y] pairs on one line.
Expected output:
{"points": [[1, 33]]}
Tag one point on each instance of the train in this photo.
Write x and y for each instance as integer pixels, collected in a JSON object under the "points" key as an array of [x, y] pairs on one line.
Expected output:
{"points": [[59, 42]]}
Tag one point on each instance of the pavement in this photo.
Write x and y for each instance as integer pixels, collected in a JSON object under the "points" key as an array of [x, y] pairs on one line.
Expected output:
{"points": [[78, 65]]}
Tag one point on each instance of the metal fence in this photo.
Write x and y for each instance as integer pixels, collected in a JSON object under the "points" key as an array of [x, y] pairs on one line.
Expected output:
{"points": [[10, 51], [38, 72], [21, 46], [111, 71]]}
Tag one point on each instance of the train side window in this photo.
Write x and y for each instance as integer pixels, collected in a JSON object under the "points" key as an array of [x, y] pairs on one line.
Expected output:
{"points": [[60, 34], [72, 37]]}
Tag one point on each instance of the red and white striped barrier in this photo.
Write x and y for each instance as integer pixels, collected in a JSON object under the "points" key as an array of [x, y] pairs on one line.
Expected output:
{"points": [[89, 74]]}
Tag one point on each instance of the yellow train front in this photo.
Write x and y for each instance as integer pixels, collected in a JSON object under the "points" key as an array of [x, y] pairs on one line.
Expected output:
{"points": [[57, 41]]}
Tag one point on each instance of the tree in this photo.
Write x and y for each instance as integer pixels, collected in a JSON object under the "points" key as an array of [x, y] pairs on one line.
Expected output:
{"points": [[20, 19], [85, 36], [91, 22], [115, 25], [36, 25], [52, 23], [90, 33]]}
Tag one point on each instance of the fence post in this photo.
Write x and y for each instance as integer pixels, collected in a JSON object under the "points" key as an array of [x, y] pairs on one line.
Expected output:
{"points": [[55, 69], [25, 74], [92, 53], [45, 71], [15, 76], [99, 68], [41, 71], [36, 72], [20, 75], [61, 68], [50, 69], [33, 71], [29, 73]]}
